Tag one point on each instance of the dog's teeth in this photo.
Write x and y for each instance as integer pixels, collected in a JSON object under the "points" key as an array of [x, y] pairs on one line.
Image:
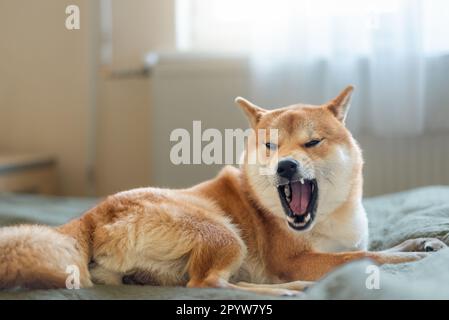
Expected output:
{"points": [[302, 181], [307, 218], [287, 190], [288, 193], [300, 224]]}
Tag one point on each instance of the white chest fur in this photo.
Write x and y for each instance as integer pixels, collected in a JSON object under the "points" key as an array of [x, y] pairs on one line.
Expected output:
{"points": [[331, 235]]}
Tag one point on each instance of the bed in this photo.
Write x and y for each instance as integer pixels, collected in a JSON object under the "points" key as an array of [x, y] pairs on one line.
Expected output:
{"points": [[393, 218]]}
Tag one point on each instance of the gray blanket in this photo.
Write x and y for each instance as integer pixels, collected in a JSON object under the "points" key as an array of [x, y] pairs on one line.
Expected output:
{"points": [[393, 218]]}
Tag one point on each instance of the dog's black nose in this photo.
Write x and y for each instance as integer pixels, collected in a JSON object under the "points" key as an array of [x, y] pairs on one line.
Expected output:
{"points": [[287, 168]]}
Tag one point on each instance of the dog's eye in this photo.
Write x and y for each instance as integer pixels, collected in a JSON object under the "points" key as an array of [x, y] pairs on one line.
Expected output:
{"points": [[271, 146], [312, 143]]}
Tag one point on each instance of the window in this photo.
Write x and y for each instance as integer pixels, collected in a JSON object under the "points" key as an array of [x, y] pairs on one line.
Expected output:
{"points": [[236, 25]]}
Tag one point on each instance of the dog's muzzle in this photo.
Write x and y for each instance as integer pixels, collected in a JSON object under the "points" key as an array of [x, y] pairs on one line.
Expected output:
{"points": [[298, 195]]}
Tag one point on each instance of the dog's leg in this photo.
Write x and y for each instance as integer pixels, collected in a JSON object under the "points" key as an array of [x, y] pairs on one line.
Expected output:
{"points": [[419, 244], [320, 264], [293, 285], [217, 280], [214, 261], [312, 266]]}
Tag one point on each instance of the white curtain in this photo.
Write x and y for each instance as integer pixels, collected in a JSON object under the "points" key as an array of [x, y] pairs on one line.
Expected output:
{"points": [[395, 52]]}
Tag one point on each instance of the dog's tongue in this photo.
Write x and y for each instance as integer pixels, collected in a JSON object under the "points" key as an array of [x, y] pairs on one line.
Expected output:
{"points": [[300, 197]]}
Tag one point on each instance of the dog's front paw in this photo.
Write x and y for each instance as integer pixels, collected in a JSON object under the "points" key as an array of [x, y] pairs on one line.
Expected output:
{"points": [[419, 245], [430, 244]]}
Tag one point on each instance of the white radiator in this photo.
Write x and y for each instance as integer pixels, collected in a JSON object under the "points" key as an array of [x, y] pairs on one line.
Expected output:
{"points": [[194, 87]]}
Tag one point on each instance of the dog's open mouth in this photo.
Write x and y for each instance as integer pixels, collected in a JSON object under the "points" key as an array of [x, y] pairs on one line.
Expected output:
{"points": [[299, 200]]}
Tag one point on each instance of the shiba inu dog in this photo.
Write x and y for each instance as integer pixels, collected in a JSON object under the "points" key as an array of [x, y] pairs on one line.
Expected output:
{"points": [[266, 233]]}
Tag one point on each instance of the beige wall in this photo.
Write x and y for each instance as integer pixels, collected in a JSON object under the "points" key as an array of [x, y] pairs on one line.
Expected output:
{"points": [[124, 105], [140, 26], [45, 83], [123, 145]]}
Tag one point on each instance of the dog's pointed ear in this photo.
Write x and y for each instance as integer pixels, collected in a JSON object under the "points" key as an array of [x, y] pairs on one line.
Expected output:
{"points": [[253, 112], [339, 106]]}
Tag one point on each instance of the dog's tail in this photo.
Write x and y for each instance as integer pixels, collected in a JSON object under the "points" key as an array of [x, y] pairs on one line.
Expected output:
{"points": [[42, 257]]}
